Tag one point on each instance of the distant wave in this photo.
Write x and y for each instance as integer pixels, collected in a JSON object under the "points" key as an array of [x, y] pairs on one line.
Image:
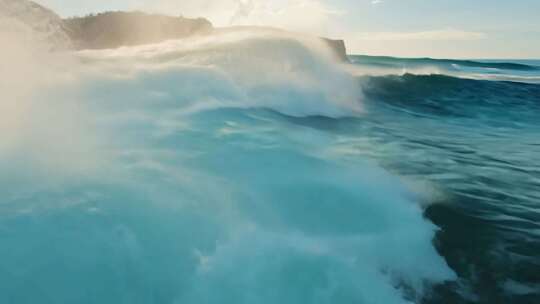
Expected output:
{"points": [[393, 61], [526, 71], [448, 95]]}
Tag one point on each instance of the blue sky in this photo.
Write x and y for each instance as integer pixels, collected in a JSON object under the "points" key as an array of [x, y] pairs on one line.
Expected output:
{"points": [[413, 28]]}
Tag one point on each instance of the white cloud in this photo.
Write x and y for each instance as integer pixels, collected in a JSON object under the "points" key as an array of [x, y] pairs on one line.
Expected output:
{"points": [[218, 11], [244, 10], [374, 2], [302, 15], [433, 35], [299, 15]]}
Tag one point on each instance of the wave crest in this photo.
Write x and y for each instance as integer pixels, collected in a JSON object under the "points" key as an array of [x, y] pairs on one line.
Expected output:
{"points": [[289, 73]]}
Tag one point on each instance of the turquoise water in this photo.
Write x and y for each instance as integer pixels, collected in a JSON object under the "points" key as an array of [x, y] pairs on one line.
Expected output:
{"points": [[254, 169]]}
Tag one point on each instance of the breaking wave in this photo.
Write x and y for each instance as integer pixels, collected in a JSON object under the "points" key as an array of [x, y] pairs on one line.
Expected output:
{"points": [[192, 183]]}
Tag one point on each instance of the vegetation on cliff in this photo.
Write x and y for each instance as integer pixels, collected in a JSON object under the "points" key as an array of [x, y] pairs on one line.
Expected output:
{"points": [[115, 29]]}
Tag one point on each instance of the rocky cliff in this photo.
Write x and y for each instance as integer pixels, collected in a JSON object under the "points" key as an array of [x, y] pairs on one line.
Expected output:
{"points": [[33, 21], [115, 29], [107, 30], [338, 46]]}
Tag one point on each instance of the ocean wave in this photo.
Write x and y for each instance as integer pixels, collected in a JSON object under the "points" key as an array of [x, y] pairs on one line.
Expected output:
{"points": [[447, 95], [394, 61], [198, 193], [289, 73], [526, 71]]}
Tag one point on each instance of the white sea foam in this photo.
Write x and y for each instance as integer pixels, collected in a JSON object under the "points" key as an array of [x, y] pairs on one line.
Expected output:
{"points": [[202, 196], [262, 68]]}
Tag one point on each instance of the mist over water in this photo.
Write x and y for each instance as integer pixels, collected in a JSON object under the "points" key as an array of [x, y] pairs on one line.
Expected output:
{"points": [[252, 167]]}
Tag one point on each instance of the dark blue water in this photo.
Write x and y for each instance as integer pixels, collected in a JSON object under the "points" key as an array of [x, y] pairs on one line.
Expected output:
{"points": [[478, 142], [500, 70]]}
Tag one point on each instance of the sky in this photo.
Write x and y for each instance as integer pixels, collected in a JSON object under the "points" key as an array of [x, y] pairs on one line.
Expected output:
{"points": [[406, 28]]}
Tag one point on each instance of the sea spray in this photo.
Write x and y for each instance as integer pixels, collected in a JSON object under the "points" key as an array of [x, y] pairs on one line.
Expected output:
{"points": [[207, 191], [295, 75]]}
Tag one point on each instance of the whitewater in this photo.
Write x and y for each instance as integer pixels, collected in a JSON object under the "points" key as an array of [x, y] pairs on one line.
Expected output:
{"points": [[251, 166]]}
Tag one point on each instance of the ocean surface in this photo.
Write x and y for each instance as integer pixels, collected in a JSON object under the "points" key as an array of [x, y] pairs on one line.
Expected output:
{"points": [[254, 168]]}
